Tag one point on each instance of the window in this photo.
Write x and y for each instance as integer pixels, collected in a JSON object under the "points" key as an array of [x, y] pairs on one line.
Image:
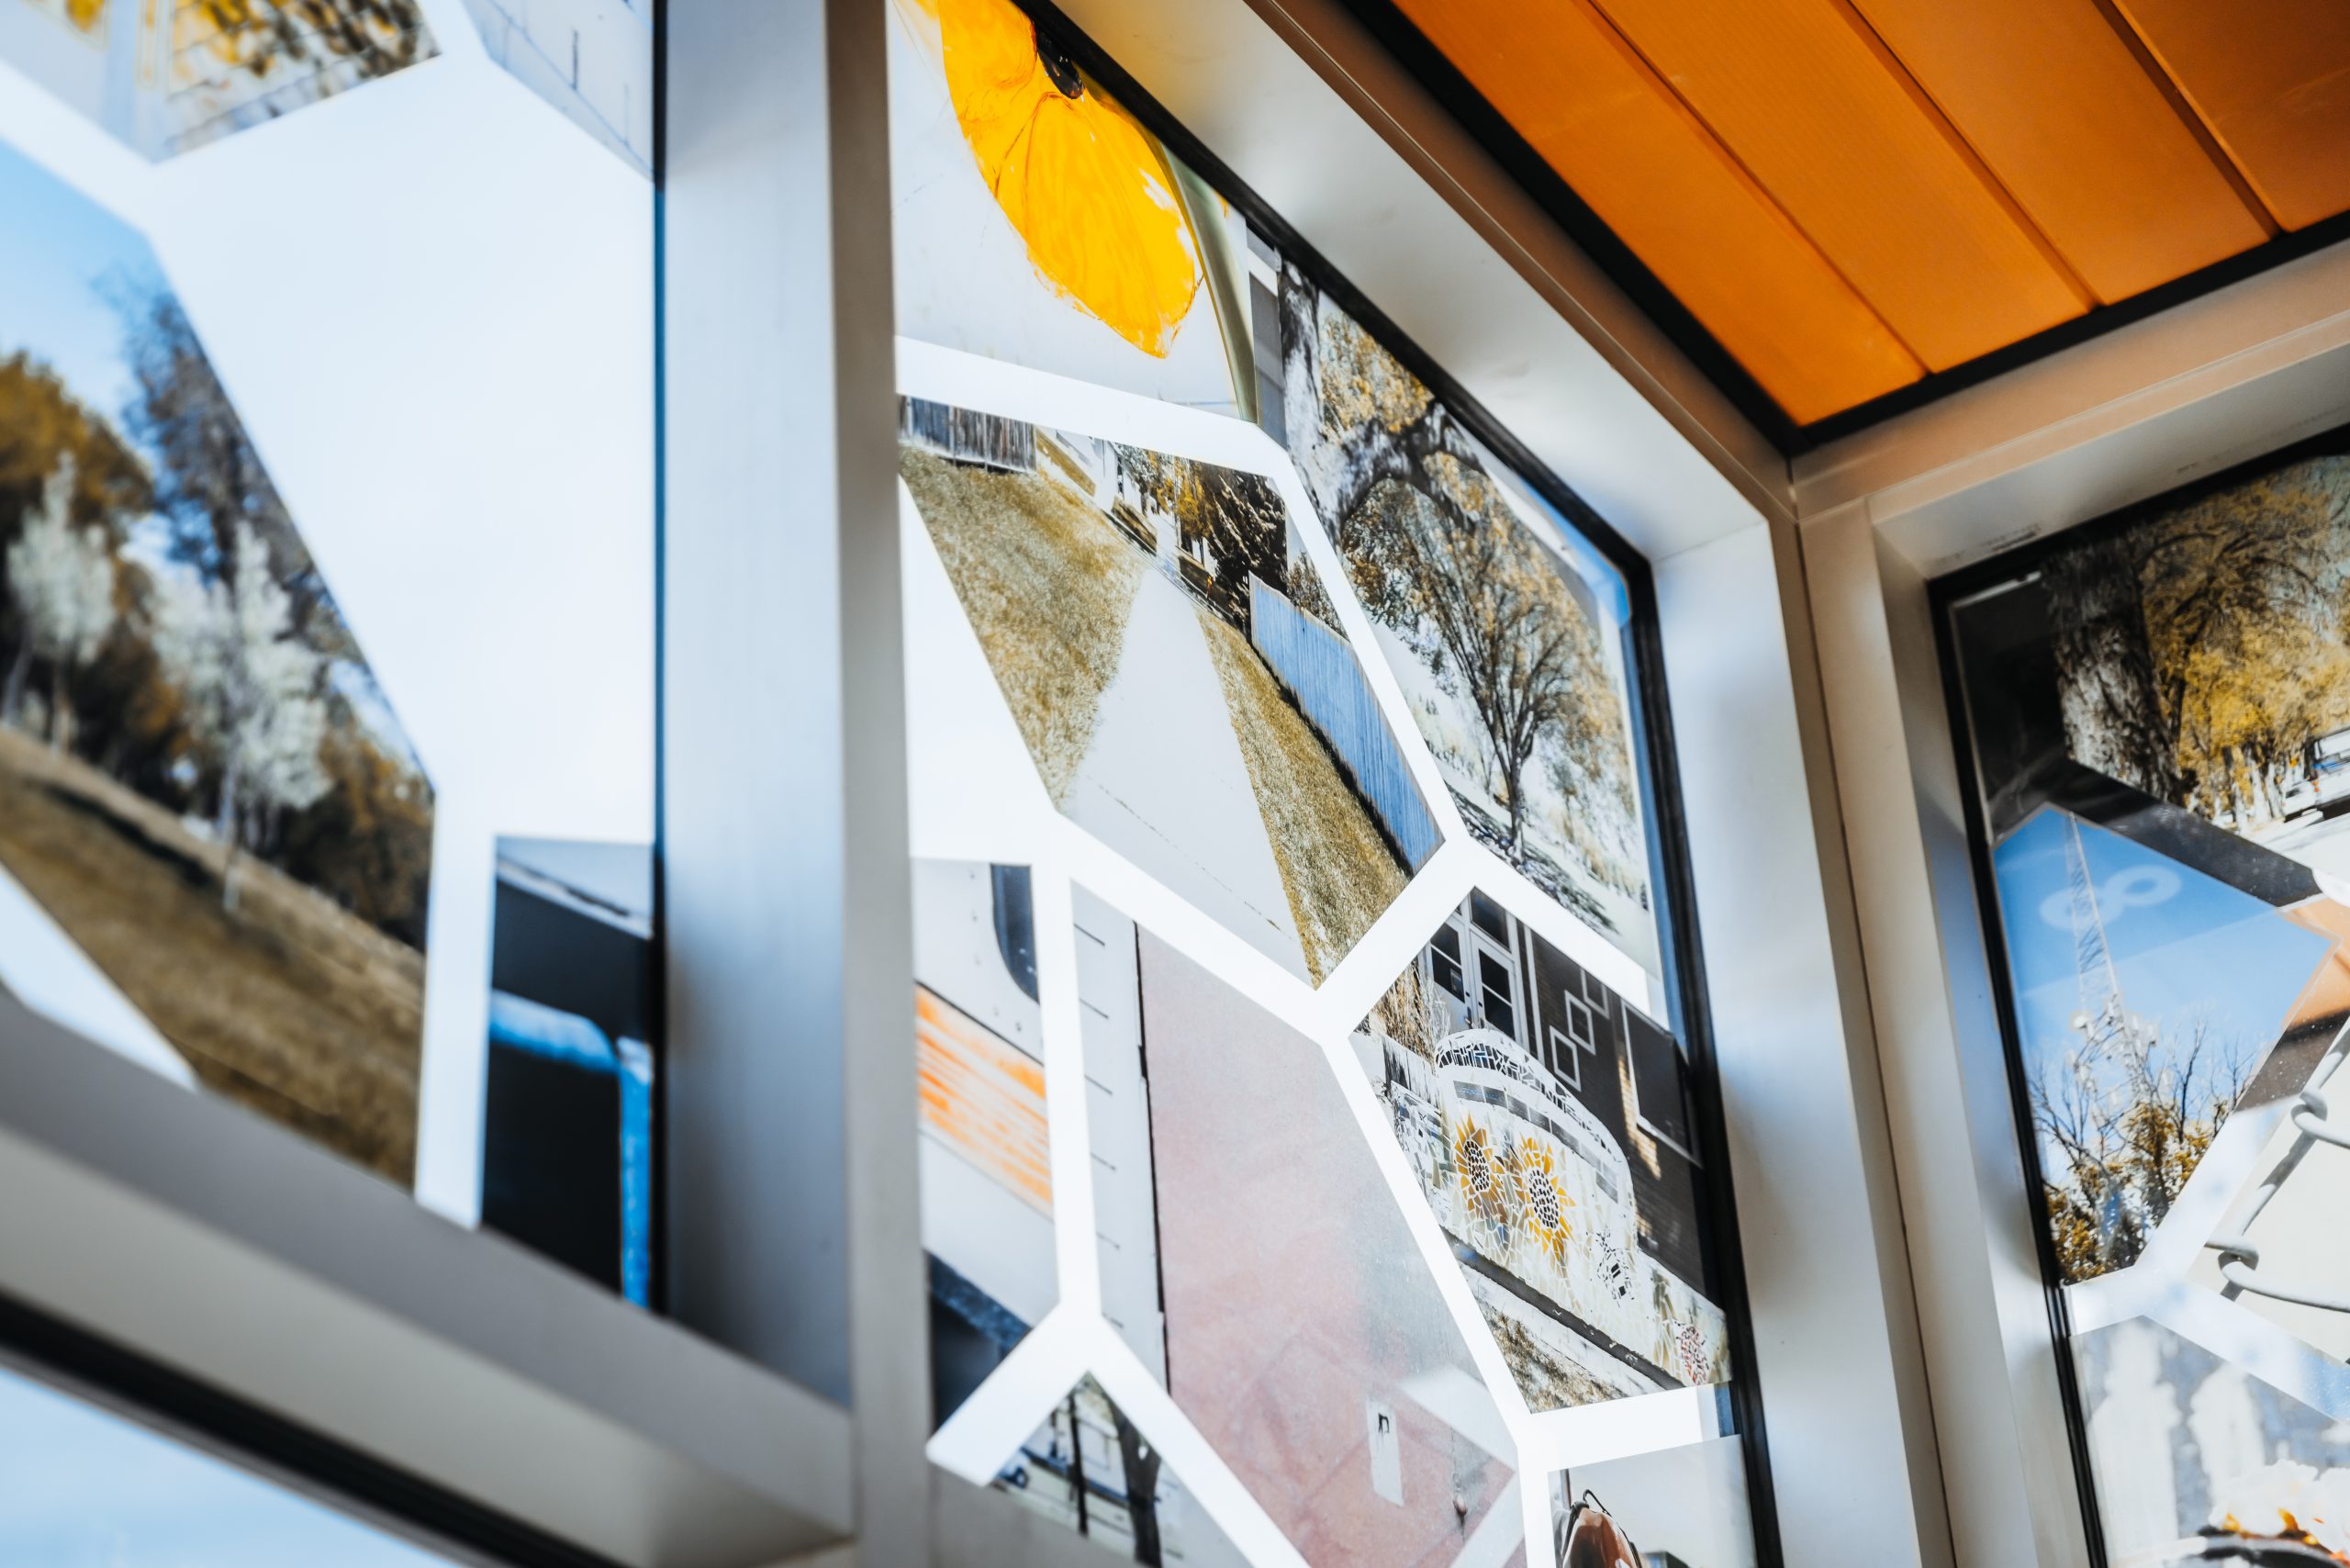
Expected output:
{"points": [[1228, 377], [2150, 712], [1444, 960], [1489, 918], [1565, 1059], [1579, 1023], [1497, 980], [83, 1485], [1659, 1082]]}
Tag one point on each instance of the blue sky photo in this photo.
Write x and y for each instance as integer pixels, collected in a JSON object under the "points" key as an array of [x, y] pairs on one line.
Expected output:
{"points": [[66, 262], [2186, 947], [82, 1488]]}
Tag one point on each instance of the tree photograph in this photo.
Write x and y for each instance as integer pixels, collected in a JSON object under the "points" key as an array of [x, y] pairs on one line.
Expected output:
{"points": [[202, 783], [2201, 656], [2147, 994], [1503, 629], [184, 74]]}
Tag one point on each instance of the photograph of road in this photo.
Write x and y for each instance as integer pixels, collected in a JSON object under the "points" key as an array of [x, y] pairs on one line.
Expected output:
{"points": [[1151, 622]]}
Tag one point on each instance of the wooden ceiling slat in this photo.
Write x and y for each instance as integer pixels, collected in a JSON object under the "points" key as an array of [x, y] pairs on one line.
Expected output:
{"points": [[1636, 156], [1806, 97], [2272, 80], [2060, 107]]}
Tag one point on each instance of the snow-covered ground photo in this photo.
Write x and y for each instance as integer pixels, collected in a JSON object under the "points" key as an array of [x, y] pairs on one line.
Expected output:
{"points": [[1503, 628]]}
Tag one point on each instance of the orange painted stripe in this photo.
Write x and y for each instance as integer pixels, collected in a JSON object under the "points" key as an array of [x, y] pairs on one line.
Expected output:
{"points": [[983, 1097], [1657, 177]]}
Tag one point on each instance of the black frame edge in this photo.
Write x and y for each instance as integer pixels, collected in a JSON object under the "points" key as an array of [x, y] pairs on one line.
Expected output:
{"points": [[1942, 595]]}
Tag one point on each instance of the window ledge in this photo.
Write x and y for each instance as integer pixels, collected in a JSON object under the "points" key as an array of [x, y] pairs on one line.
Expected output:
{"points": [[227, 1249]]}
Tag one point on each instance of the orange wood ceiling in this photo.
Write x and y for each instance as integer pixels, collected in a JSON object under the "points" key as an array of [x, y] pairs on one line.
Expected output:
{"points": [[1850, 194]]}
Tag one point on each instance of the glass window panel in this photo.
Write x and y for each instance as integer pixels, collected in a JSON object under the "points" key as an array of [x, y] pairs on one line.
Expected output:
{"points": [[1499, 984], [81, 1486], [1488, 917], [326, 554], [1658, 1080], [1140, 616], [2153, 707], [1444, 957]]}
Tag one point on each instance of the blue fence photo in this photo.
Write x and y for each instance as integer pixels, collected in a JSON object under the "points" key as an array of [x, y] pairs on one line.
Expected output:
{"points": [[1319, 669]]}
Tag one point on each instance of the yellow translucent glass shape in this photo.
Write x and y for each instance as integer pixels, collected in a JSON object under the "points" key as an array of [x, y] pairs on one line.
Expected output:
{"points": [[1089, 191]]}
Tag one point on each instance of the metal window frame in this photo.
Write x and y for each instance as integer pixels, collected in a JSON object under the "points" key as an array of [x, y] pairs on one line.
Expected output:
{"points": [[1897, 522]]}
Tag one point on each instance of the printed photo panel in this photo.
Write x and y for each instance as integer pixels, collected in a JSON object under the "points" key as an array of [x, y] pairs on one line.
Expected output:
{"points": [[1546, 1122], [590, 60], [2148, 996], [166, 76], [1256, 681], [1166, 649], [2199, 658], [1504, 628], [567, 1157], [285, 389], [1255, 1260], [1681, 1507], [216, 848], [2148, 708], [1036, 221], [2195, 1456], [1090, 1469], [986, 1177], [1091, 251]]}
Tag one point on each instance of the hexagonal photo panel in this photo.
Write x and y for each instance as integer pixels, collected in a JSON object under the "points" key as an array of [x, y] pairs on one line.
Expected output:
{"points": [[1677, 1507], [985, 1164], [215, 841], [1089, 1468], [1548, 1123], [1256, 1260], [592, 60], [1504, 628], [1170, 659], [166, 76], [2211, 1459]]}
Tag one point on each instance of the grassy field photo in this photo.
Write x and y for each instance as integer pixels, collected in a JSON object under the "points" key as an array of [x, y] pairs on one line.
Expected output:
{"points": [[1132, 607], [289, 1003], [201, 784]]}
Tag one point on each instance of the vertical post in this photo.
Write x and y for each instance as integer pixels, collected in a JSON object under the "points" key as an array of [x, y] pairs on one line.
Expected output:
{"points": [[1854, 1468], [793, 1234]]}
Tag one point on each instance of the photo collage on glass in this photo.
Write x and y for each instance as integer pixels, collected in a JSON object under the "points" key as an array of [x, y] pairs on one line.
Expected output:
{"points": [[381, 878], [2158, 706], [1308, 1154]]}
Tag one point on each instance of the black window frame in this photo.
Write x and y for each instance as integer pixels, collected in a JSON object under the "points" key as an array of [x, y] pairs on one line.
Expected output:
{"points": [[1945, 597], [1672, 874]]}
